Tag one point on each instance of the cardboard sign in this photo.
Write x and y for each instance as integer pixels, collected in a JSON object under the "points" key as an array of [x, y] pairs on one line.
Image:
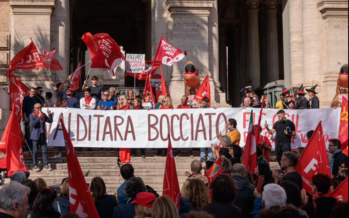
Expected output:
{"points": [[135, 63]]}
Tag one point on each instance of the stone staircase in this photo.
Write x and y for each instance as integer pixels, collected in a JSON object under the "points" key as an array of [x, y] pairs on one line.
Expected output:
{"points": [[104, 164]]}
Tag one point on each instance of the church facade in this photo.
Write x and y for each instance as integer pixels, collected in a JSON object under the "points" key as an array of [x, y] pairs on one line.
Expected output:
{"points": [[236, 42]]}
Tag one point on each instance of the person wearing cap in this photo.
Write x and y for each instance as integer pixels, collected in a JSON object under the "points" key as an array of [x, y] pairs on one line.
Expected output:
{"points": [[301, 101], [144, 204], [72, 102], [314, 102], [288, 100]]}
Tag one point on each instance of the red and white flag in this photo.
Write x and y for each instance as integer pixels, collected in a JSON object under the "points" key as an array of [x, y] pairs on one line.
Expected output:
{"points": [[47, 57], [204, 91], [17, 93], [75, 80], [343, 128], [11, 145], [163, 84], [314, 159], [27, 59], [171, 185], [81, 201], [148, 89], [150, 68], [341, 192], [92, 42], [168, 54], [55, 65], [250, 154]]}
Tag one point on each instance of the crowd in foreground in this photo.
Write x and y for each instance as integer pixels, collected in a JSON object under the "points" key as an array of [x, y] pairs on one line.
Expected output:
{"points": [[235, 193]]}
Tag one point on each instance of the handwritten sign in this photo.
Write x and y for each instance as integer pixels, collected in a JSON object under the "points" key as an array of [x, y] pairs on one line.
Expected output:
{"points": [[135, 63]]}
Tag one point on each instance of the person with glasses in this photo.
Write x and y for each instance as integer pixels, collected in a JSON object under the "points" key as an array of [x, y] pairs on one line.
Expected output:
{"points": [[72, 102], [38, 96], [148, 103], [105, 103], [335, 148], [38, 135], [113, 96], [122, 104], [167, 103]]}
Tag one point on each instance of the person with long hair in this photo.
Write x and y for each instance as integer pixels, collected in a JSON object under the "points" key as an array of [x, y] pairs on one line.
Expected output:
{"points": [[196, 197], [164, 207], [137, 105], [148, 103], [124, 153], [63, 205], [40, 184], [265, 171], [167, 103], [43, 204], [104, 203], [33, 192], [159, 104]]}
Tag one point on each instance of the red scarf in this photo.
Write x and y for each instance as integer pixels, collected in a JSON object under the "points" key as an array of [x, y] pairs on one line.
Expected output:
{"points": [[88, 100], [137, 108], [42, 116]]}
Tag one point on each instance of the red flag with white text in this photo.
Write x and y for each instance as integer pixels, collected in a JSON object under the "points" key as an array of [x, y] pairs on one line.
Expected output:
{"points": [[47, 57], [108, 55], [11, 145], [204, 90], [168, 54], [81, 201], [27, 59], [75, 80], [343, 128], [341, 192], [17, 93], [250, 153], [171, 185], [314, 159]]}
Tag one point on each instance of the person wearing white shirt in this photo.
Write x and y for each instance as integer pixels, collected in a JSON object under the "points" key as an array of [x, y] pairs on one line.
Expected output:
{"points": [[88, 103]]}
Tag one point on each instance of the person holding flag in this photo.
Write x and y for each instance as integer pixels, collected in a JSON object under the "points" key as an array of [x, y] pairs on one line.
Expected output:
{"points": [[285, 130]]}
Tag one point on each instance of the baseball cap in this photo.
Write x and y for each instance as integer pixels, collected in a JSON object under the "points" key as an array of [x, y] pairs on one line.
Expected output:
{"points": [[145, 199]]}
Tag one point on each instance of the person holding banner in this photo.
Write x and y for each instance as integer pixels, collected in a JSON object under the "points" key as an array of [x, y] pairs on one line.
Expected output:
{"points": [[137, 105], [285, 130], [105, 103], [38, 136], [113, 96], [184, 103], [148, 104], [122, 104], [72, 102]]}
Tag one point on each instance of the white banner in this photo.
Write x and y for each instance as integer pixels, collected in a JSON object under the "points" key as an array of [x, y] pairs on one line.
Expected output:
{"points": [[192, 128]]}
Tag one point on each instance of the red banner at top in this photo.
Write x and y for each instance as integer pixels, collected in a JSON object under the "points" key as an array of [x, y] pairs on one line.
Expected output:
{"points": [[27, 59]]}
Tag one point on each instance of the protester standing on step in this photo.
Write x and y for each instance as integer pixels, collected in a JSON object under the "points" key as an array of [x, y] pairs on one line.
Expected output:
{"points": [[72, 102], [184, 105], [27, 108], [88, 102], [285, 130], [38, 136], [314, 102], [96, 90], [104, 203], [137, 105]]}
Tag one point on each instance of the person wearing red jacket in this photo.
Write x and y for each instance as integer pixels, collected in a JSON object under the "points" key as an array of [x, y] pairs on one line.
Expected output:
{"points": [[124, 153]]}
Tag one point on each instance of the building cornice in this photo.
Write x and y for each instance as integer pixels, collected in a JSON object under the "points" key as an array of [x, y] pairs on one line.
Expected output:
{"points": [[333, 8], [30, 7], [190, 7]]}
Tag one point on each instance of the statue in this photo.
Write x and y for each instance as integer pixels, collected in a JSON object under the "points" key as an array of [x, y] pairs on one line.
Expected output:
{"points": [[191, 78]]}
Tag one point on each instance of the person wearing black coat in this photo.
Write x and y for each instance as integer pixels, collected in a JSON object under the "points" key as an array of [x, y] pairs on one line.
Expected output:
{"points": [[314, 102], [301, 101], [338, 157], [245, 191]]}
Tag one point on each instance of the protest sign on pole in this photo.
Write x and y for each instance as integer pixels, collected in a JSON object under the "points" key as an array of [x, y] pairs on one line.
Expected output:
{"points": [[187, 128], [135, 63]]}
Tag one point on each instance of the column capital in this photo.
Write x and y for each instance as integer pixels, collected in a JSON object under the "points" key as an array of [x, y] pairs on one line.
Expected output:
{"points": [[272, 4], [190, 8], [254, 4], [329, 8]]}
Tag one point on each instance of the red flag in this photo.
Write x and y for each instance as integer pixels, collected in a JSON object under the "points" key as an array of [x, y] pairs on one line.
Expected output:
{"points": [[150, 67], [26, 59], [260, 118], [204, 91], [75, 81], [108, 55], [92, 43], [163, 84], [55, 65], [341, 192], [250, 154], [171, 185], [168, 54], [17, 93], [12, 142], [214, 171], [314, 159], [81, 201], [47, 58], [148, 89], [343, 128]]}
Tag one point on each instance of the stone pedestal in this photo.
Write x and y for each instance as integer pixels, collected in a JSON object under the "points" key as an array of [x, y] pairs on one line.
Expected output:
{"points": [[191, 32], [253, 43]]}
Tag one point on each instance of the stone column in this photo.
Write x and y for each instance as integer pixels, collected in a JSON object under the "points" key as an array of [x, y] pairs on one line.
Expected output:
{"points": [[296, 42], [190, 32], [286, 40], [31, 19], [214, 44], [253, 59], [62, 36], [272, 43], [148, 32], [223, 59]]}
